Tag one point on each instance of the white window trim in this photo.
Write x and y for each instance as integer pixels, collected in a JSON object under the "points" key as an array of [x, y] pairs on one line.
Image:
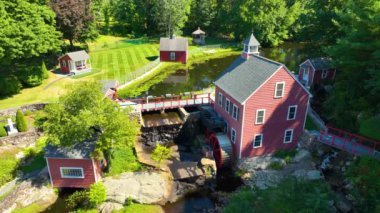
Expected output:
{"points": [[227, 105], [283, 89], [295, 112], [233, 110], [220, 99], [172, 56], [257, 113], [234, 138], [324, 73], [261, 141], [291, 137], [71, 177]]}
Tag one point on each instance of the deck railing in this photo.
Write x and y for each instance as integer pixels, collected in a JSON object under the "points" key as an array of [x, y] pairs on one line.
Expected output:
{"points": [[161, 103]]}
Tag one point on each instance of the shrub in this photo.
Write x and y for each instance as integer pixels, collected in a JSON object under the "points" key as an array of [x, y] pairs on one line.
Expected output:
{"points": [[3, 132], [364, 173], [30, 75], [27, 112], [39, 119], [97, 194], [289, 196], [44, 71], [287, 155], [77, 199], [160, 153], [9, 85], [123, 160], [276, 165], [21, 123]]}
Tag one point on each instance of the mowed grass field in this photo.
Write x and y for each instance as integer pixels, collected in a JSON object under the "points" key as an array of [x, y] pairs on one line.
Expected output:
{"points": [[113, 57]]}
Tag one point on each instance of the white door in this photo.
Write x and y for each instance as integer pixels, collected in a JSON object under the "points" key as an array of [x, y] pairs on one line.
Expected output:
{"points": [[306, 75]]}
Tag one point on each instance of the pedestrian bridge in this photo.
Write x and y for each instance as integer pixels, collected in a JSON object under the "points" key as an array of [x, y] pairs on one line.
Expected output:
{"points": [[349, 142], [168, 102]]}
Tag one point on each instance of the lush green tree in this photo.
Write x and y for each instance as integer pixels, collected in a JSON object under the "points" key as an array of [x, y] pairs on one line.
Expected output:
{"points": [[97, 194], [357, 58], [75, 19], [31, 74], [171, 15], [289, 196], [202, 13], [26, 30], [82, 112], [44, 71], [131, 14], [161, 153], [364, 173], [21, 122], [270, 19], [9, 85]]}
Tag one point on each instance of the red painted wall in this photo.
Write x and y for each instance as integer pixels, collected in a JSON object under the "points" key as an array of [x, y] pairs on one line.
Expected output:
{"points": [[65, 69], [232, 123], [181, 56], [275, 122], [318, 76], [55, 174]]}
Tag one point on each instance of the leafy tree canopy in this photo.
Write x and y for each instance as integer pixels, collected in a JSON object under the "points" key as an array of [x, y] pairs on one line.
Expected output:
{"points": [[75, 19], [26, 30], [84, 110]]}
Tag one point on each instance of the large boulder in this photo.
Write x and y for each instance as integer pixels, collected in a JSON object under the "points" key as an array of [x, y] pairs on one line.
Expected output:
{"points": [[302, 155], [142, 187], [259, 163]]}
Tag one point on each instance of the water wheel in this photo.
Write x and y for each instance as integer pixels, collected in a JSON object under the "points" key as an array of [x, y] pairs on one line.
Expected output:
{"points": [[222, 149]]}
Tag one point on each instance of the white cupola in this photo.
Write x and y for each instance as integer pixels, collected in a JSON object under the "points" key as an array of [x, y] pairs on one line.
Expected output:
{"points": [[250, 47]]}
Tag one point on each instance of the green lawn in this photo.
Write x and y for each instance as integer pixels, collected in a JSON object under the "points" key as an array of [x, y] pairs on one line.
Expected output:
{"points": [[370, 128], [115, 56], [8, 165], [123, 160]]}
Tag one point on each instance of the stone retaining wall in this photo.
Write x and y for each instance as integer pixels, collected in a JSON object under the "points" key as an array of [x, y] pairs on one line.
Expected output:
{"points": [[31, 107], [21, 139]]}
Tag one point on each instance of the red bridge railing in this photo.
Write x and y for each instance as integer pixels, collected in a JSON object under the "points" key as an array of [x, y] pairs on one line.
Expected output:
{"points": [[354, 143]]}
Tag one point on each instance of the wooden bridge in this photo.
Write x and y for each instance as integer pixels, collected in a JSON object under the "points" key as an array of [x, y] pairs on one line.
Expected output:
{"points": [[353, 143], [168, 102]]}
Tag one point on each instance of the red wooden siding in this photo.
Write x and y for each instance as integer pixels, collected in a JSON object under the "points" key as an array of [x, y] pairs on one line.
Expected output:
{"points": [[232, 123], [65, 69], [58, 181], [180, 56], [310, 70], [318, 76], [276, 110]]}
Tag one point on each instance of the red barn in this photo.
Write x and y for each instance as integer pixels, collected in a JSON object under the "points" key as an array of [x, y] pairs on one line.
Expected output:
{"points": [[262, 102], [174, 49], [73, 167], [315, 71], [75, 62]]}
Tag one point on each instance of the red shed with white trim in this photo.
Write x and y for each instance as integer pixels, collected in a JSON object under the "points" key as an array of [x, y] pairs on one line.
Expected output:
{"points": [[316, 71], [75, 62], [73, 167], [174, 49], [262, 102]]}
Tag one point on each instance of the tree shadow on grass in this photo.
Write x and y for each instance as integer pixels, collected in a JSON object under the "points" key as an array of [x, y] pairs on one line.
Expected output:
{"points": [[151, 58]]}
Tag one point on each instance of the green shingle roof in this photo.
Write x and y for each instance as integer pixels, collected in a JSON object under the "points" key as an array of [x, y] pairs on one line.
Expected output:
{"points": [[244, 76]]}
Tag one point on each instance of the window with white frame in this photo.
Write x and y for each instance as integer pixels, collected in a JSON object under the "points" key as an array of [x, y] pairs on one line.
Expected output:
{"points": [[324, 73], [71, 172], [260, 116], [235, 112], [279, 90], [227, 105], [292, 112], [172, 56], [233, 135], [63, 63], [220, 99], [288, 136], [258, 141]]}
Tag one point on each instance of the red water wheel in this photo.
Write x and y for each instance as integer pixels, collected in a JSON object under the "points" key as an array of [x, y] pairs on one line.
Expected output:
{"points": [[217, 151]]}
